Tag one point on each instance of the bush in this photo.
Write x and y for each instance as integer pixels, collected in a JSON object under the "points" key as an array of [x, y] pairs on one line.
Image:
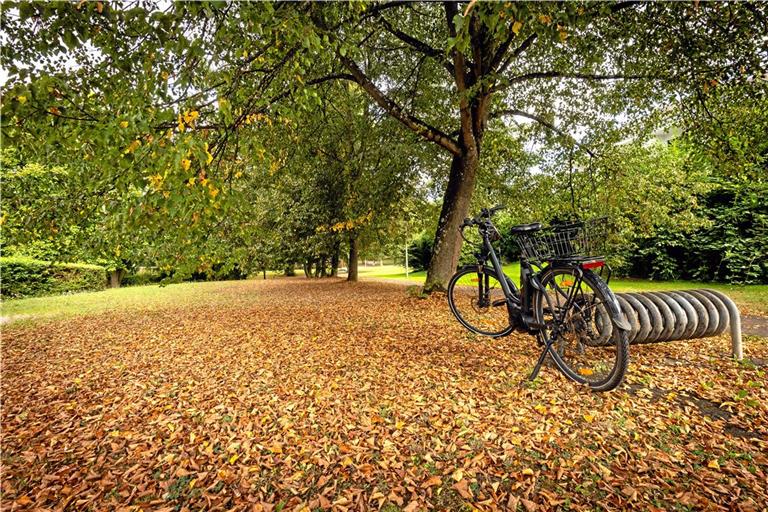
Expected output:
{"points": [[420, 252], [27, 277], [143, 276]]}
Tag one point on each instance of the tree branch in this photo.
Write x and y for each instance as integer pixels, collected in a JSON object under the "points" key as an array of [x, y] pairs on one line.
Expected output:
{"points": [[519, 50], [414, 124], [543, 122], [460, 76], [417, 44]]}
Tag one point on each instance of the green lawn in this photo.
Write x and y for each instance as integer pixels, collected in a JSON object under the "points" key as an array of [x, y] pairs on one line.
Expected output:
{"points": [[755, 297], [133, 297]]}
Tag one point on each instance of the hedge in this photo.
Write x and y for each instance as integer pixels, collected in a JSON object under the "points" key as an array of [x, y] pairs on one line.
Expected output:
{"points": [[28, 277]]}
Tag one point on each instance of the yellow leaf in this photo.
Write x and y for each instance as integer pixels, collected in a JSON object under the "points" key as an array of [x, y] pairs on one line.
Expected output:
{"points": [[545, 19], [234, 458], [209, 159], [516, 26], [528, 472], [589, 418], [563, 35], [458, 475], [586, 371], [213, 191], [132, 146], [22, 99], [276, 448], [346, 461], [185, 164], [190, 117], [713, 464], [399, 424], [540, 409], [123, 124], [191, 181]]}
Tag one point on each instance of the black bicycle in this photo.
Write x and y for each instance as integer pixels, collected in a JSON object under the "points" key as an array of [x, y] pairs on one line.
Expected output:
{"points": [[562, 301]]}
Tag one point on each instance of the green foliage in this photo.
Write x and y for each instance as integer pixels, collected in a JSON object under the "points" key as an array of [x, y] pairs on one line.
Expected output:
{"points": [[27, 277], [420, 251], [142, 277], [728, 141]]}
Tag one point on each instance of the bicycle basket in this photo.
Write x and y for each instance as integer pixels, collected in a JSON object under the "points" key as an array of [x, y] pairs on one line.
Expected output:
{"points": [[576, 240]]}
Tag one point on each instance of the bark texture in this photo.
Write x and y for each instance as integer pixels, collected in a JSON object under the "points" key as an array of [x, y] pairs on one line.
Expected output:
{"points": [[353, 255]]}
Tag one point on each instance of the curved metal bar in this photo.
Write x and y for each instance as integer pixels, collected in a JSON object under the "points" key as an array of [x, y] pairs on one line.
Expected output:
{"points": [[681, 319], [722, 311], [712, 311], [737, 350], [656, 318], [666, 313], [644, 321], [693, 319], [701, 313]]}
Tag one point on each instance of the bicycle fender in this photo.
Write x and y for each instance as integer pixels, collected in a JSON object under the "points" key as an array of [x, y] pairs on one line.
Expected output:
{"points": [[614, 309], [616, 314]]}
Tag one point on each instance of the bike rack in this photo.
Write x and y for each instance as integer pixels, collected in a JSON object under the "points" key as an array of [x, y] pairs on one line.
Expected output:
{"points": [[680, 315]]}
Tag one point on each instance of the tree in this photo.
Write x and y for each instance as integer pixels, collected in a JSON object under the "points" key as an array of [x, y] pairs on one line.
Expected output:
{"points": [[176, 90]]}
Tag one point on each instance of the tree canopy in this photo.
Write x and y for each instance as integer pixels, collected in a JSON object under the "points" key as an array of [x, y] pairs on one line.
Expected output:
{"points": [[176, 120]]}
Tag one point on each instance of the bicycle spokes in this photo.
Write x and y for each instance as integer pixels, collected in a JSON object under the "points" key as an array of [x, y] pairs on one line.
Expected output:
{"points": [[578, 326]]}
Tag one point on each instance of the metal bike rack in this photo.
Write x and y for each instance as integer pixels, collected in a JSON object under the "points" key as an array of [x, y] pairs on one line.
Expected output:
{"points": [[680, 315]]}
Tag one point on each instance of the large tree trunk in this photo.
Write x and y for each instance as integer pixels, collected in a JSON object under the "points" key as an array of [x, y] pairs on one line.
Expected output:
{"points": [[116, 277], [447, 246], [352, 270]]}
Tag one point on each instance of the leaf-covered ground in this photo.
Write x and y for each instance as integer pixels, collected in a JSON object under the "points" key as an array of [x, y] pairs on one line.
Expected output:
{"points": [[294, 394]]}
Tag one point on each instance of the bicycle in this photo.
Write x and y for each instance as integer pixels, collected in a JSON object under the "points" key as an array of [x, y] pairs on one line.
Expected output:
{"points": [[561, 300]]}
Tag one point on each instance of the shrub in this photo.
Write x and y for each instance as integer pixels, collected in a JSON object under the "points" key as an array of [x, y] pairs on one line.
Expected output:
{"points": [[143, 276], [27, 277]]}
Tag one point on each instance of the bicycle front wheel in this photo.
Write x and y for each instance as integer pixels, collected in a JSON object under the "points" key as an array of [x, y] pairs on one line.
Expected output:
{"points": [[574, 309], [478, 302]]}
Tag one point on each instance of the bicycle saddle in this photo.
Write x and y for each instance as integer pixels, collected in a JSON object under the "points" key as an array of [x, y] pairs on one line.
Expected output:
{"points": [[526, 228]]}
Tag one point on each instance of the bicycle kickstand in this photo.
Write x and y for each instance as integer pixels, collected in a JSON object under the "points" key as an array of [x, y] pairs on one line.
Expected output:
{"points": [[540, 362]]}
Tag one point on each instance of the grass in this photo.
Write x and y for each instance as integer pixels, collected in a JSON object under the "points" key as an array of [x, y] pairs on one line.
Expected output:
{"points": [[89, 303], [753, 296]]}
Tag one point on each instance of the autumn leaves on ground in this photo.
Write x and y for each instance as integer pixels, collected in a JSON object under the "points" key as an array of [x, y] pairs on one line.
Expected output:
{"points": [[293, 394]]}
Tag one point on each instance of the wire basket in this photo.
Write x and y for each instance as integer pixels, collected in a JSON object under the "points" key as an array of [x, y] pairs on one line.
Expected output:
{"points": [[576, 241]]}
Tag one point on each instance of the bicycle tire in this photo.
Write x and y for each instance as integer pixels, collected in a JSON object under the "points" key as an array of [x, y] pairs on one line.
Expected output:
{"points": [[463, 303], [587, 325]]}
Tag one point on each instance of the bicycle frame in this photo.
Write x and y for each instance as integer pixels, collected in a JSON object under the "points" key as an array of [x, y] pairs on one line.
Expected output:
{"points": [[519, 301]]}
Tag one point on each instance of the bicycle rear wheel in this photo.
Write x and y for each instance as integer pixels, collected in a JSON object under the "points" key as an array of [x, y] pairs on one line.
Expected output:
{"points": [[575, 312], [478, 302]]}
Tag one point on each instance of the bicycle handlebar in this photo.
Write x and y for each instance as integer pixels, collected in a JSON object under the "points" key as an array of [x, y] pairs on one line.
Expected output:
{"points": [[484, 215]]}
